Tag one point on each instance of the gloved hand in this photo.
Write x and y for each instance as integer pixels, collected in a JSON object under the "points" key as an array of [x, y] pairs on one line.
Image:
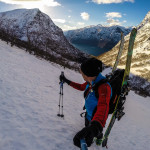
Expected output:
{"points": [[88, 133], [64, 79]]}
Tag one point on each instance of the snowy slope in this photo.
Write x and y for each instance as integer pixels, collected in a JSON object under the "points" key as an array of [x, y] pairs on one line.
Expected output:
{"points": [[29, 93]]}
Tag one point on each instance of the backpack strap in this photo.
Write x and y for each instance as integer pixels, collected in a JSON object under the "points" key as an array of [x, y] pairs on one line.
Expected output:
{"points": [[95, 87], [86, 92]]}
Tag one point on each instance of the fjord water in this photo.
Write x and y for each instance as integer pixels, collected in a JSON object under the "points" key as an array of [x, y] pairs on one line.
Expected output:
{"points": [[92, 50]]}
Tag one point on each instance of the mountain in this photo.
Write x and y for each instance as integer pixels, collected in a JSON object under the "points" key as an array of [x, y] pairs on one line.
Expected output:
{"points": [[141, 55], [104, 37], [34, 30], [29, 97]]}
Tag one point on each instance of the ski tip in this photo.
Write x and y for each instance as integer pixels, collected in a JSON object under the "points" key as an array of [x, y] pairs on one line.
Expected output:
{"points": [[121, 33], [134, 30]]}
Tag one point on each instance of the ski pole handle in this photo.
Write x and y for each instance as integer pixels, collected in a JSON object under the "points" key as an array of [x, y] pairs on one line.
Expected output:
{"points": [[62, 73], [83, 144], [61, 77]]}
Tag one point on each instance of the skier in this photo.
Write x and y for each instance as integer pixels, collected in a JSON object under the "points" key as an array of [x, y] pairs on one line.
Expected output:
{"points": [[96, 108]]}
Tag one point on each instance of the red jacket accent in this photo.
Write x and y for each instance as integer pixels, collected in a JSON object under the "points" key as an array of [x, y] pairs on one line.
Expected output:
{"points": [[78, 86], [101, 114], [104, 92]]}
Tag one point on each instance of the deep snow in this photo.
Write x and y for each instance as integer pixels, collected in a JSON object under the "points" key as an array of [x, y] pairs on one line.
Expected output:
{"points": [[29, 95]]}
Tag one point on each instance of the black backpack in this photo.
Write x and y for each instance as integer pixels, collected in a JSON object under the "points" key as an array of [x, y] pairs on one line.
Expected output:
{"points": [[115, 81]]}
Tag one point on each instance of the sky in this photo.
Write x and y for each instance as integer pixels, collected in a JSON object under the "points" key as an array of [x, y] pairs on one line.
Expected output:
{"points": [[74, 14]]}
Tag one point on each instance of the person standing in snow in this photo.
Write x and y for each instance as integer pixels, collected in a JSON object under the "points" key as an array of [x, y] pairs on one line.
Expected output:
{"points": [[96, 108]]}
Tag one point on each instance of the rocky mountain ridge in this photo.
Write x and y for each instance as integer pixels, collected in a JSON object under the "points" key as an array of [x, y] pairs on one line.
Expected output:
{"points": [[33, 28], [141, 56], [104, 37]]}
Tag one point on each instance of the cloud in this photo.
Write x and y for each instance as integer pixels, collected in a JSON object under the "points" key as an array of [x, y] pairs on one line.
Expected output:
{"points": [[39, 2], [111, 1], [88, 1], [113, 15], [59, 20], [67, 27], [70, 10], [85, 16], [80, 23], [112, 22]]}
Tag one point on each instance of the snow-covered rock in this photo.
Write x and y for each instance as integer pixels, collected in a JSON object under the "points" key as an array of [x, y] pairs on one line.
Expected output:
{"points": [[37, 29], [104, 37]]}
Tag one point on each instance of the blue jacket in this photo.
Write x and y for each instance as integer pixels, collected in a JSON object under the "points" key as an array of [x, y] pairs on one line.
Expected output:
{"points": [[91, 100]]}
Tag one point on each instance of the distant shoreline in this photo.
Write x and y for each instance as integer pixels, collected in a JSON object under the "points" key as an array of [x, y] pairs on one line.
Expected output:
{"points": [[92, 50]]}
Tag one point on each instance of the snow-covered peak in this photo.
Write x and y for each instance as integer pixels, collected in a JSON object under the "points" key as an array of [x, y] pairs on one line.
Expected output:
{"points": [[28, 17], [37, 29], [145, 20], [19, 13], [147, 16], [98, 32], [103, 37]]}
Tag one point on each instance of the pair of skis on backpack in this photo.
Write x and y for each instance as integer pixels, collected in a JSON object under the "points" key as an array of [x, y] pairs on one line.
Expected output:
{"points": [[118, 110]]}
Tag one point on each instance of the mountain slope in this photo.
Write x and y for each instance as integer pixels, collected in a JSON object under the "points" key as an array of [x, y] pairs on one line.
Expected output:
{"points": [[29, 95], [34, 30], [104, 37], [141, 55]]}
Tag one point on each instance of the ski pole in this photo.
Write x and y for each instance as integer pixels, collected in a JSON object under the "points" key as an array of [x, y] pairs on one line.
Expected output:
{"points": [[83, 144], [61, 97], [62, 115]]}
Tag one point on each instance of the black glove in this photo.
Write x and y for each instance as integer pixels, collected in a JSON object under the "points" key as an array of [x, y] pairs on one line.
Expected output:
{"points": [[63, 79], [88, 133]]}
